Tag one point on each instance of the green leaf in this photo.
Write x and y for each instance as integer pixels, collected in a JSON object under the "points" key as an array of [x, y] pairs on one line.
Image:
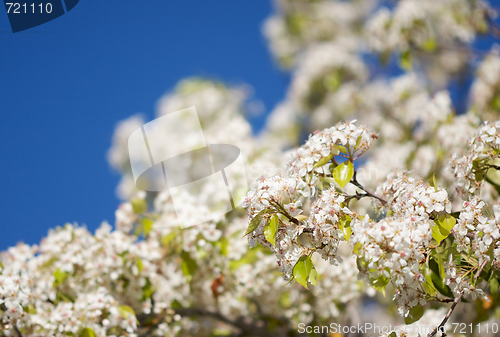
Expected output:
{"points": [[333, 81], [147, 290], [429, 45], [188, 265], [433, 182], [440, 264], [429, 284], [138, 262], [168, 238], [415, 314], [147, 225], [30, 309], [477, 169], [340, 148], [380, 283], [126, 311], [345, 227], [302, 269], [356, 248], [60, 276], [494, 284], [271, 228], [439, 233], [254, 223], [405, 60], [442, 227], [447, 221], [393, 334], [139, 205], [87, 332], [323, 161], [313, 277], [223, 244], [343, 173], [438, 281]]}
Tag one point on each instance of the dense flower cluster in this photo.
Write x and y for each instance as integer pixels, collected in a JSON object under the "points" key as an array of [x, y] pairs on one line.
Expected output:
{"points": [[287, 193], [408, 196], [485, 91], [414, 28], [325, 215], [299, 25], [74, 280], [392, 249], [395, 246], [477, 233], [469, 169], [346, 137]]}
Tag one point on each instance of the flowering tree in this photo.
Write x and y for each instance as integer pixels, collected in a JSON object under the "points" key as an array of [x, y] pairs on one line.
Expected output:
{"points": [[402, 212]]}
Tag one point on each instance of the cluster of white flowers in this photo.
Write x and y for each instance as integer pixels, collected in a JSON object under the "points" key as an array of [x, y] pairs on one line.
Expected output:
{"points": [[325, 214], [287, 193], [437, 27], [425, 24], [470, 168], [485, 91], [477, 234], [346, 138], [299, 25], [395, 246], [73, 281], [467, 222], [392, 249], [407, 195]]}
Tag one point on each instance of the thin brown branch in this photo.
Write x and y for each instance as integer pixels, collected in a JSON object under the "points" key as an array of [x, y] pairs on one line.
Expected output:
{"points": [[485, 262], [440, 327], [369, 193], [19, 334]]}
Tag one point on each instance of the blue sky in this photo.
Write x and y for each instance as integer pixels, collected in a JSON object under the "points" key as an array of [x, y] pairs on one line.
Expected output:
{"points": [[65, 84]]}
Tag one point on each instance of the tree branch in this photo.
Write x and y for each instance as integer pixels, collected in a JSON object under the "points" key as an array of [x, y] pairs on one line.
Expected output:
{"points": [[19, 334], [440, 327], [355, 182], [485, 262]]}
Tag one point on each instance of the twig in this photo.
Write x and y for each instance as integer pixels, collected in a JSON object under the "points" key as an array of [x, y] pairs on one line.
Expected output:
{"points": [[440, 327], [355, 182], [485, 262], [443, 300], [19, 334], [455, 302]]}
